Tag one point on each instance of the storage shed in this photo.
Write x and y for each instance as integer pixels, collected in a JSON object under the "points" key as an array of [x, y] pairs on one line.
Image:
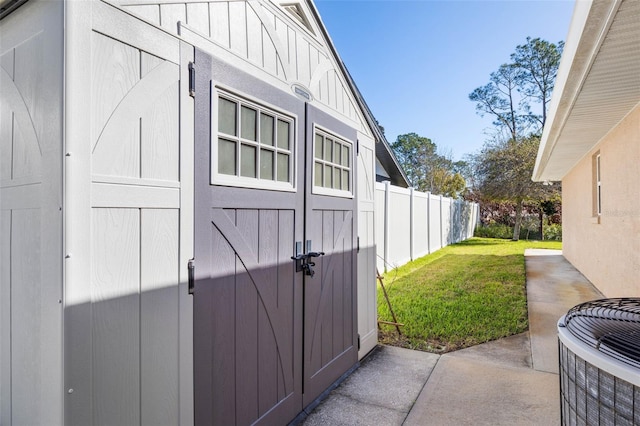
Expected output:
{"points": [[186, 200]]}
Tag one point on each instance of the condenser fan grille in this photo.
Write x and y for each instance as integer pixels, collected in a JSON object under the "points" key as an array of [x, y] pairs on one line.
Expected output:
{"points": [[600, 363], [611, 326]]}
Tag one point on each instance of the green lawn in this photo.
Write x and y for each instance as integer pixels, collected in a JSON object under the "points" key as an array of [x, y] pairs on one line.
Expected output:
{"points": [[459, 296]]}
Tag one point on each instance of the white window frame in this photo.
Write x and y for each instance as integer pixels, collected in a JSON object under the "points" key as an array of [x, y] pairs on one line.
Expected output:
{"points": [[321, 190], [221, 179]]}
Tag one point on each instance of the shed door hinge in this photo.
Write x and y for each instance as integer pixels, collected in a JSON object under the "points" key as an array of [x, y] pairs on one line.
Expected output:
{"points": [[358, 341], [192, 80], [191, 267], [357, 146], [358, 245]]}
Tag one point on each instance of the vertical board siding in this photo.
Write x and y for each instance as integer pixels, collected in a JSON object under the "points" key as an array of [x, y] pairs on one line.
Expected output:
{"points": [[246, 322], [27, 351], [198, 17], [159, 310], [115, 318], [116, 70], [252, 288], [219, 23], [330, 324], [171, 14], [159, 128], [265, 36], [223, 344], [22, 112], [268, 225], [435, 222], [255, 46], [238, 28], [5, 317], [30, 222], [366, 291], [286, 299], [135, 220], [148, 146], [134, 291]]}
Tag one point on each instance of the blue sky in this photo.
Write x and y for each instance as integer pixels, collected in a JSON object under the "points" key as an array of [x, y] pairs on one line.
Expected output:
{"points": [[416, 62]]}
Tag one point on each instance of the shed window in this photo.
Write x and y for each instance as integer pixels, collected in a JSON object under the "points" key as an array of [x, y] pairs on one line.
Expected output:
{"points": [[254, 146], [332, 168]]}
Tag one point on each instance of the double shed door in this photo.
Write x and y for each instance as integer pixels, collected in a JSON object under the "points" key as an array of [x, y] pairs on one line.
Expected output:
{"points": [[267, 339]]}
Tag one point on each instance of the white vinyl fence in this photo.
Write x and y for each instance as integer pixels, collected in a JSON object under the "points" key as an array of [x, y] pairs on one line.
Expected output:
{"points": [[411, 224]]}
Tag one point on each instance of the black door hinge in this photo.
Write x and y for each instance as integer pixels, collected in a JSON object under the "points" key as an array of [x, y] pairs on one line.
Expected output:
{"points": [[191, 267], [358, 249], [357, 146], [358, 341], [192, 80]]}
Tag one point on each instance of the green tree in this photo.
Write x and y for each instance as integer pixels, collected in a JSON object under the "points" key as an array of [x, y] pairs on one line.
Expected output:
{"points": [[502, 169], [500, 99], [426, 169], [537, 63]]}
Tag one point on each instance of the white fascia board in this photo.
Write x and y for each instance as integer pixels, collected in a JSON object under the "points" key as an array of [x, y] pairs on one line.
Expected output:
{"points": [[589, 26]]}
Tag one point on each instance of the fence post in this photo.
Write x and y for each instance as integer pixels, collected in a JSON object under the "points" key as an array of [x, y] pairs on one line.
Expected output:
{"points": [[450, 236], [429, 222], [412, 227], [387, 198], [441, 224]]}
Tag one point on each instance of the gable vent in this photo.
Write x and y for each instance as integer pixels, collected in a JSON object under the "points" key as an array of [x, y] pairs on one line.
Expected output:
{"points": [[295, 10]]}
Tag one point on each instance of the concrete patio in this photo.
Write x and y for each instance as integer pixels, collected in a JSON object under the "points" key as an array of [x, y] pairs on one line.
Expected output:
{"points": [[511, 381]]}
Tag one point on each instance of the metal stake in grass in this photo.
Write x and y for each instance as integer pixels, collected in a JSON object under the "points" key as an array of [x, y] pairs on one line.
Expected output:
{"points": [[393, 315]]}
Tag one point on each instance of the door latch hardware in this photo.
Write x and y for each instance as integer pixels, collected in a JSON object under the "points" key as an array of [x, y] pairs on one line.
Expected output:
{"points": [[303, 262]]}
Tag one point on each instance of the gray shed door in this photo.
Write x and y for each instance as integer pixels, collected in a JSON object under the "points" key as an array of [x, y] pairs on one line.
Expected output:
{"points": [[267, 339]]}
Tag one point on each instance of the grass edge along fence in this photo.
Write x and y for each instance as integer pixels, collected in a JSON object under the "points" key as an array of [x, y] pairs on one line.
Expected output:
{"points": [[410, 224], [462, 295]]}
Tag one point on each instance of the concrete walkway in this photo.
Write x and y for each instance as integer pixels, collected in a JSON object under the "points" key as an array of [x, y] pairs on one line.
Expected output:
{"points": [[511, 381]]}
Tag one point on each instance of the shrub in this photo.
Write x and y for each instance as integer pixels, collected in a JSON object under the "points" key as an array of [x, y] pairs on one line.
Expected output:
{"points": [[553, 232], [494, 230]]}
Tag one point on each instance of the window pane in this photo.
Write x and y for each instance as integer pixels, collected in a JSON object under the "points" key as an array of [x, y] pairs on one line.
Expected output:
{"points": [[328, 144], [345, 180], [283, 134], [337, 178], [248, 121], [318, 149], [248, 161], [345, 155], [283, 167], [328, 174], [227, 116], [318, 175], [266, 164], [337, 150], [226, 157], [266, 129]]}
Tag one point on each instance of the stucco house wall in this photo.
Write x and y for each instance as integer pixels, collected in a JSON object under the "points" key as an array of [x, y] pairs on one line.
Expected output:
{"points": [[600, 247]]}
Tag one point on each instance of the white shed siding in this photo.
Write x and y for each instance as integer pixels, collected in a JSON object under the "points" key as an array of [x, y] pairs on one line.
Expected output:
{"points": [[367, 307], [127, 178], [30, 216], [263, 35]]}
